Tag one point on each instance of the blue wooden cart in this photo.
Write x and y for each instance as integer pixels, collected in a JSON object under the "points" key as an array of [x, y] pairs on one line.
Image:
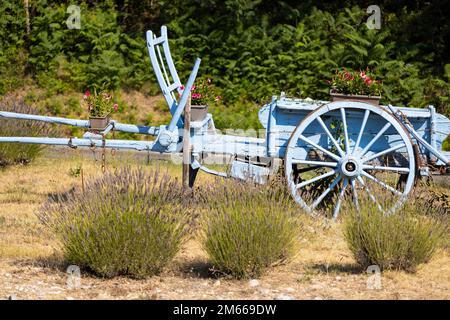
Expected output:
{"points": [[329, 151]]}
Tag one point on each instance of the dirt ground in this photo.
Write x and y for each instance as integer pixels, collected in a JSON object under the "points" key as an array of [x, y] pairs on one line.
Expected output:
{"points": [[31, 266]]}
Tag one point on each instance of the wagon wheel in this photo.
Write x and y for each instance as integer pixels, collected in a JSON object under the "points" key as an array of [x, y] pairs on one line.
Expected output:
{"points": [[343, 149]]}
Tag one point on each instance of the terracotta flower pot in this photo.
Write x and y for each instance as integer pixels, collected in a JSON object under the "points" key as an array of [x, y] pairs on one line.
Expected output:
{"points": [[198, 112], [99, 123], [373, 100]]}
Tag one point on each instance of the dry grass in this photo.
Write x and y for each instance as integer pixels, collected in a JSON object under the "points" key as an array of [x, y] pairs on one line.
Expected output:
{"points": [[31, 266]]}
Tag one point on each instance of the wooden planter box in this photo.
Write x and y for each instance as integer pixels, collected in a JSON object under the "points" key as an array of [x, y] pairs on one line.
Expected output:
{"points": [[99, 123], [373, 100], [198, 113]]}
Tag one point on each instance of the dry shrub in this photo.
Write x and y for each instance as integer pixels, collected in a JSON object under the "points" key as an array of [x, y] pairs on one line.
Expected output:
{"points": [[20, 153], [249, 228], [399, 241], [128, 222]]}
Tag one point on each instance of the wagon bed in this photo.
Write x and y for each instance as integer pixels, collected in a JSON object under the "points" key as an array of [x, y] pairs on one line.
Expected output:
{"points": [[283, 114]]}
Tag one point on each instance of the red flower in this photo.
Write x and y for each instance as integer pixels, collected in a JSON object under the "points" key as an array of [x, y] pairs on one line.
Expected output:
{"points": [[86, 94], [348, 76], [368, 81], [116, 107]]}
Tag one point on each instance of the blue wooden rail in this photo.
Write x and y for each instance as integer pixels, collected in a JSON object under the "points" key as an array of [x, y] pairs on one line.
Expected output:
{"points": [[122, 127]]}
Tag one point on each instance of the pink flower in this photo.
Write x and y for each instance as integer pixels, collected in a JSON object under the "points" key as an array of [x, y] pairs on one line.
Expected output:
{"points": [[181, 87], [87, 93], [362, 74], [193, 87], [349, 76], [218, 98], [196, 95], [116, 107]]}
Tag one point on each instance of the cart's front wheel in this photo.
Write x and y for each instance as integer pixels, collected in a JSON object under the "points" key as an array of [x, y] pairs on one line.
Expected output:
{"points": [[349, 149]]}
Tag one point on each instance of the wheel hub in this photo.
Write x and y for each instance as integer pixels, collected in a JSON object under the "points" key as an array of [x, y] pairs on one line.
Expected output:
{"points": [[350, 166]]}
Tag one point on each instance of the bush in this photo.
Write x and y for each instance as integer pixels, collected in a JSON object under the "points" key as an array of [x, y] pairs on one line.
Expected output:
{"points": [[248, 228], [399, 241], [100, 54], [126, 223], [20, 153]]}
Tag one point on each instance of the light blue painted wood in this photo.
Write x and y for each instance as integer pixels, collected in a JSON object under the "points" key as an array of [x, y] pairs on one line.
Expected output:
{"points": [[77, 142], [184, 97], [347, 165], [169, 60], [247, 171], [288, 113], [151, 45], [122, 127]]}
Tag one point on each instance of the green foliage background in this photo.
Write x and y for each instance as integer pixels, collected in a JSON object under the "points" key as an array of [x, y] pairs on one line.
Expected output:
{"points": [[252, 49]]}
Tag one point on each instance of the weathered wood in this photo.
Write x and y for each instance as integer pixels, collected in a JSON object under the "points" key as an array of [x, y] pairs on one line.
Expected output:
{"points": [[122, 127], [90, 143], [184, 97]]}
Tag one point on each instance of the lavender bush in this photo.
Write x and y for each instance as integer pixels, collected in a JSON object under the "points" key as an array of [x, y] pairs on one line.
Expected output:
{"points": [[13, 153], [249, 228], [399, 241], [128, 222]]}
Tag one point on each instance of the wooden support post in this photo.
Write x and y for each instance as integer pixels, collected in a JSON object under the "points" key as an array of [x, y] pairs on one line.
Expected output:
{"points": [[187, 143], [192, 176]]}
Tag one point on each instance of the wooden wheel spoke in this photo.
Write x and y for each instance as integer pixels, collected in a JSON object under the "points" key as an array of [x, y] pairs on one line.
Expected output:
{"points": [[333, 140], [355, 193], [361, 131], [378, 135], [381, 183], [382, 168], [322, 176], [371, 196], [315, 145], [339, 200], [324, 194], [381, 153], [315, 163], [344, 123]]}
